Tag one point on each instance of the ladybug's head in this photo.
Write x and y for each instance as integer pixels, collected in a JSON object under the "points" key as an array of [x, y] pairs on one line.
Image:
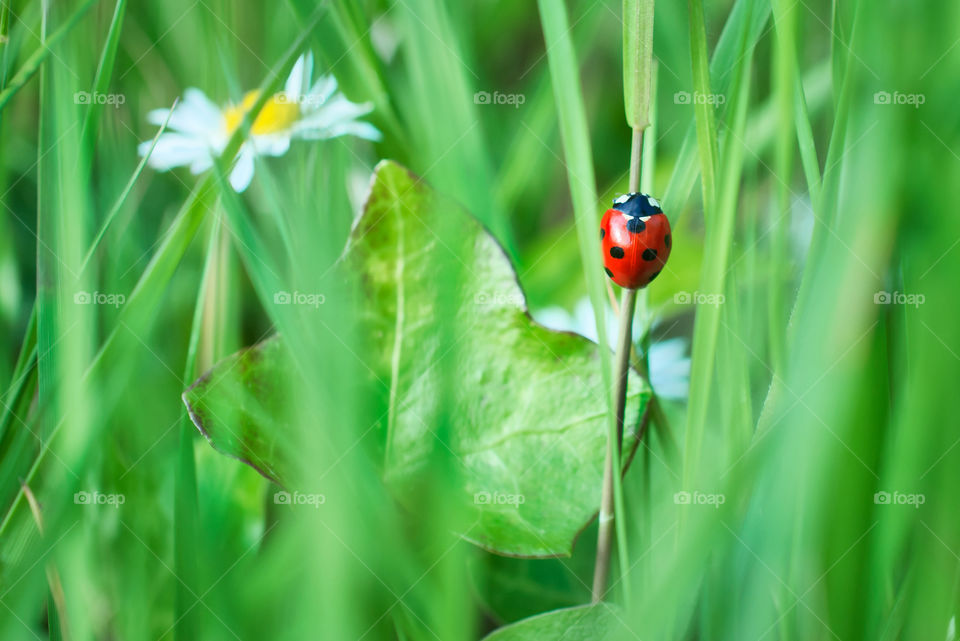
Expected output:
{"points": [[637, 205]]}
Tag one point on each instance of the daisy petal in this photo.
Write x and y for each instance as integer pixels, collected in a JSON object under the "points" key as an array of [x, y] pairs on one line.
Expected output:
{"points": [[195, 115], [272, 145], [173, 150], [202, 164], [198, 101], [157, 116], [338, 110], [319, 93], [355, 128], [242, 172], [299, 78]]}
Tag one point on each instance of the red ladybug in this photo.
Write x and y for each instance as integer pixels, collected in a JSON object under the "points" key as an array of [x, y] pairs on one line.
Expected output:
{"points": [[635, 236]]}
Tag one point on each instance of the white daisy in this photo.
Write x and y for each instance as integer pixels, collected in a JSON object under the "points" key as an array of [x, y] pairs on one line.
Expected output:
{"points": [[198, 130]]}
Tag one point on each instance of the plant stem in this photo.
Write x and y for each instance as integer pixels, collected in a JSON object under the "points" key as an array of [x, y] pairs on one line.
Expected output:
{"points": [[636, 156], [601, 568]]}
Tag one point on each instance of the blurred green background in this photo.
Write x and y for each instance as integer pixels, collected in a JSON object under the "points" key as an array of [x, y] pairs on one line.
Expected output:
{"points": [[814, 289]]}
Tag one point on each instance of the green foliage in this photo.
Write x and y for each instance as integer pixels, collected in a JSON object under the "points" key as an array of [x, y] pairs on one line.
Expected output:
{"points": [[816, 497], [594, 623], [530, 459]]}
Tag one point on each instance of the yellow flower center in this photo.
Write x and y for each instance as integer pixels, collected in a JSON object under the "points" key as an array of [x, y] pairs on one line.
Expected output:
{"points": [[277, 115]]}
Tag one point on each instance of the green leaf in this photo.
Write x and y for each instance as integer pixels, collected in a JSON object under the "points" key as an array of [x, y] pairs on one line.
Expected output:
{"points": [[528, 430], [238, 406], [584, 623], [511, 589]]}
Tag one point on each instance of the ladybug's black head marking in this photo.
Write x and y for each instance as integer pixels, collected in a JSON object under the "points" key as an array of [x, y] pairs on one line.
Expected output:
{"points": [[636, 204]]}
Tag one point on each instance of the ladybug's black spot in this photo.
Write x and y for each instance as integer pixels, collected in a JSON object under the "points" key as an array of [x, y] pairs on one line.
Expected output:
{"points": [[636, 225], [609, 273], [649, 254], [603, 232], [667, 241], [655, 274], [616, 252]]}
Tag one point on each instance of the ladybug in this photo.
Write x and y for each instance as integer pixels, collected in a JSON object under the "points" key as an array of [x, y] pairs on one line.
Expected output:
{"points": [[635, 236]]}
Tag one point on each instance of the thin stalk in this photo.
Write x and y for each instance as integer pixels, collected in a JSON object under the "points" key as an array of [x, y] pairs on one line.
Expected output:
{"points": [[636, 150], [612, 494], [126, 191], [601, 568]]}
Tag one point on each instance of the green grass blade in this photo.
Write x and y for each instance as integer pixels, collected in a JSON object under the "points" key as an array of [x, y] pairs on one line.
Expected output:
{"points": [[186, 510], [32, 64], [826, 208], [704, 110], [101, 81], [808, 146], [27, 348], [748, 18], [784, 83], [577, 152], [118, 205], [580, 176], [719, 234], [443, 112], [637, 61], [707, 318]]}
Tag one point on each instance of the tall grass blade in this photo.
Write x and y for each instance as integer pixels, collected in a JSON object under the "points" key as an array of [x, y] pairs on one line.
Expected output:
{"points": [[32, 64], [637, 61], [101, 82]]}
